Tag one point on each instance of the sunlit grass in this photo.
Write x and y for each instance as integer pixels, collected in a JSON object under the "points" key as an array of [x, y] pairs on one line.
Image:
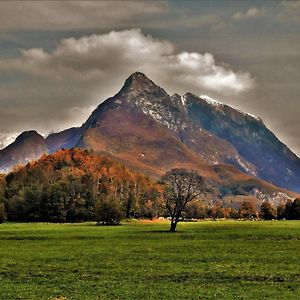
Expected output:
{"points": [[142, 260]]}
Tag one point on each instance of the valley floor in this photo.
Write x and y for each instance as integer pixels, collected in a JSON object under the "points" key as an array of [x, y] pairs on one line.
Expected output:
{"points": [[142, 260]]}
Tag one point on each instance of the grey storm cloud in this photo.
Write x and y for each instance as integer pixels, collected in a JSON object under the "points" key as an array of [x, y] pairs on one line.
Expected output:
{"points": [[63, 15]]}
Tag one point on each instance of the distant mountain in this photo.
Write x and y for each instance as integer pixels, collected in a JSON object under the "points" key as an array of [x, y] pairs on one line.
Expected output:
{"points": [[151, 131], [64, 139], [28, 146]]}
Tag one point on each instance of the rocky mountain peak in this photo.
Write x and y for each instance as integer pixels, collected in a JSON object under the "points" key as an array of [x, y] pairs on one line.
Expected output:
{"points": [[138, 83], [138, 93], [178, 100]]}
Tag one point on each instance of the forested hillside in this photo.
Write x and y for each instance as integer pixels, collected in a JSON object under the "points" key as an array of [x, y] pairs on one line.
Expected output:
{"points": [[67, 186]]}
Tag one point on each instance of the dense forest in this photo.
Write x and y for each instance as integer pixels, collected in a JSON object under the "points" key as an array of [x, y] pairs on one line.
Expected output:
{"points": [[78, 185], [68, 185]]}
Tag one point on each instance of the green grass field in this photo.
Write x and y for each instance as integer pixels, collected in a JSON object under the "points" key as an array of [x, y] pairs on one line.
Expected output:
{"points": [[206, 260]]}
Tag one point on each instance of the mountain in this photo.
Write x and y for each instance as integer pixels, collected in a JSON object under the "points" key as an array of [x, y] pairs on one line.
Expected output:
{"points": [[274, 161], [150, 131], [144, 125], [28, 146]]}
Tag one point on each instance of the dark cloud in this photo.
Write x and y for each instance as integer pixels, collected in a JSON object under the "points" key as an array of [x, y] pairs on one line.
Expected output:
{"points": [[62, 15]]}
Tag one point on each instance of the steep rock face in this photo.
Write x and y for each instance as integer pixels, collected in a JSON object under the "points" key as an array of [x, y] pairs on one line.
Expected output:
{"points": [[253, 140], [28, 146], [141, 98]]}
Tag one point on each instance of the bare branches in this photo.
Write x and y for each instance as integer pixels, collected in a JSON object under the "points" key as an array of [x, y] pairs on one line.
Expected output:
{"points": [[181, 187]]}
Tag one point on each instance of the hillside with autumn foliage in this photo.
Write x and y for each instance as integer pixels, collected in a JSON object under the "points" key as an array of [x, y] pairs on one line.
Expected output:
{"points": [[67, 185]]}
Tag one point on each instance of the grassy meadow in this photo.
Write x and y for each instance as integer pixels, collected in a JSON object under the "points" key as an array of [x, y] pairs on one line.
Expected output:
{"points": [[142, 260]]}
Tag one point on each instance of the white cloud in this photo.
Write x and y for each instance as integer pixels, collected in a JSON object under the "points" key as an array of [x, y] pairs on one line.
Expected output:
{"points": [[200, 71], [54, 89], [7, 138], [64, 15], [252, 12], [98, 58]]}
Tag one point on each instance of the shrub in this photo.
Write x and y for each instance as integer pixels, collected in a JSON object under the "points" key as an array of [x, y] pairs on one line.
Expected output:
{"points": [[196, 210], [247, 210], [281, 211], [216, 211], [108, 212], [233, 213], [267, 211], [289, 211], [296, 209]]}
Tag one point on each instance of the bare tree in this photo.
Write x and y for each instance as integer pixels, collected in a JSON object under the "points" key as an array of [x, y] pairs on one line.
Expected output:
{"points": [[182, 186]]}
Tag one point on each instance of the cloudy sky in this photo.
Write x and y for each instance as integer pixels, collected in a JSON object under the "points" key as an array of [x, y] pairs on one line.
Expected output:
{"points": [[59, 60]]}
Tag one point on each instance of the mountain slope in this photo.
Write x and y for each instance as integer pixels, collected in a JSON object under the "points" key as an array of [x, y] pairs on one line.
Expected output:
{"points": [[253, 140], [64, 139]]}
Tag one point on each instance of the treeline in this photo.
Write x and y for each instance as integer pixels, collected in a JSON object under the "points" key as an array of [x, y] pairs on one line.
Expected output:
{"points": [[76, 185], [200, 210]]}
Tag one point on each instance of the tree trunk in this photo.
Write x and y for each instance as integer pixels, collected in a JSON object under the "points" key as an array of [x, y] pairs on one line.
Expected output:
{"points": [[173, 226], [128, 208]]}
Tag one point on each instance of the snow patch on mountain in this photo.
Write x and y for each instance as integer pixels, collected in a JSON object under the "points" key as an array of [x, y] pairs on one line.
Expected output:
{"points": [[211, 101], [244, 166], [217, 103], [290, 171], [253, 116], [159, 112], [161, 115]]}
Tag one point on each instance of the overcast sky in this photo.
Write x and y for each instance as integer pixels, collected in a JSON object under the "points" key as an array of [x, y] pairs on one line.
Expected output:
{"points": [[59, 60]]}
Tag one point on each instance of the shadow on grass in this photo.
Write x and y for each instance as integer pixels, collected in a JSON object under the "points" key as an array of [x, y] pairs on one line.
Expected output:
{"points": [[162, 231]]}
